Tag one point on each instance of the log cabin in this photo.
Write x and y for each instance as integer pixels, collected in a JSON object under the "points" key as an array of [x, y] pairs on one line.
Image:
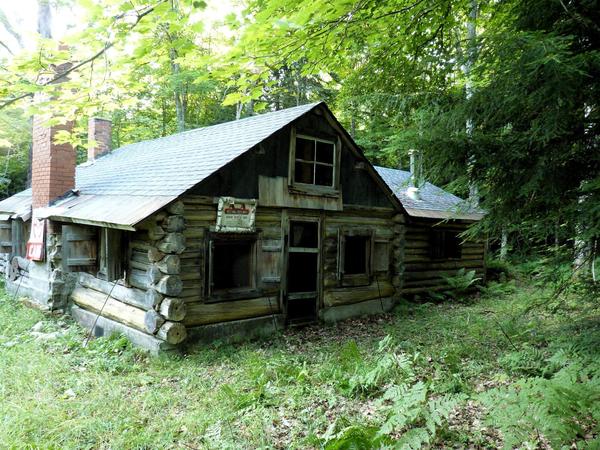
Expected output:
{"points": [[434, 246], [223, 232], [235, 229]]}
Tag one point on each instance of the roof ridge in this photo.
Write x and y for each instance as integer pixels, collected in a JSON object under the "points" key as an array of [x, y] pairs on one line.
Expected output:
{"points": [[243, 119]]}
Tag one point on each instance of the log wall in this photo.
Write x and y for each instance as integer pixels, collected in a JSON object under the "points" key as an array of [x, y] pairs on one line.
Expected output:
{"points": [[149, 300], [387, 233], [423, 273], [200, 217]]}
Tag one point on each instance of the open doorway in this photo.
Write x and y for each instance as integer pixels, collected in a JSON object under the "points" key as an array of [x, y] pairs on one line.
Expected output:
{"points": [[302, 271]]}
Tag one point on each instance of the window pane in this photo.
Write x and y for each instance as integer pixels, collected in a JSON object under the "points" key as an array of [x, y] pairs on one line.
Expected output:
{"points": [[325, 152], [232, 265], [305, 149], [324, 175], [304, 173], [304, 234], [355, 255]]}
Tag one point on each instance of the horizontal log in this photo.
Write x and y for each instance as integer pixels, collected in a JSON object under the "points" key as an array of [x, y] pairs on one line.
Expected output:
{"points": [[172, 332], [205, 313], [192, 199], [169, 285], [154, 255], [429, 282], [138, 279], [153, 321], [428, 274], [156, 233], [142, 245], [477, 263], [153, 297], [423, 289], [103, 326], [199, 218], [143, 266], [170, 264], [174, 223], [113, 309], [125, 294], [139, 256], [173, 309], [172, 243], [345, 296], [176, 208]]}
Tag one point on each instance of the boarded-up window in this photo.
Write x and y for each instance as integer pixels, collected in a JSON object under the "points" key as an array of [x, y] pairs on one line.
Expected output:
{"points": [[381, 256], [80, 248], [113, 254], [444, 244], [269, 261]]}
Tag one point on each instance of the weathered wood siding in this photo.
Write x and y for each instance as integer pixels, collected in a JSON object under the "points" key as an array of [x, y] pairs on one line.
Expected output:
{"points": [[147, 305], [270, 159], [387, 232], [201, 215], [422, 273]]}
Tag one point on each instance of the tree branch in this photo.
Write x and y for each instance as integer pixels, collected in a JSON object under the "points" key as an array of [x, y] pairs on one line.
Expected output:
{"points": [[102, 51]]}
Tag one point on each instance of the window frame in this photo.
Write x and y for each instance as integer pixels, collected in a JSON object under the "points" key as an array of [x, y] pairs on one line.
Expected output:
{"points": [[436, 236], [355, 279], [221, 295], [311, 188]]}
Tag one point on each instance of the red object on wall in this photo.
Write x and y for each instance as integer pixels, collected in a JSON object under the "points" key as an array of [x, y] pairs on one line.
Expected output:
{"points": [[35, 245]]}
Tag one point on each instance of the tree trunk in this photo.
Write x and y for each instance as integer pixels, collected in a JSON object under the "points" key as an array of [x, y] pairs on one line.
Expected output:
{"points": [[471, 57], [504, 244], [44, 25], [177, 94]]}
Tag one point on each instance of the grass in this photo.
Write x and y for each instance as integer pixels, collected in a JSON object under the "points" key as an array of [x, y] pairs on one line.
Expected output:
{"points": [[486, 372]]}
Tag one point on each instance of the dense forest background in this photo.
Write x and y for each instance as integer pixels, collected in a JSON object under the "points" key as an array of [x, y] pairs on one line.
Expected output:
{"points": [[501, 97]]}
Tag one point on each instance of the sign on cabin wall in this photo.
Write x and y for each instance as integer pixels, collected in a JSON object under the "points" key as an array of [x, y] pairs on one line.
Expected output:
{"points": [[235, 215], [35, 245]]}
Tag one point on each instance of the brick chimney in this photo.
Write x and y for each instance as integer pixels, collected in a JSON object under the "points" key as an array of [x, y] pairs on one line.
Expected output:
{"points": [[52, 165], [100, 136]]}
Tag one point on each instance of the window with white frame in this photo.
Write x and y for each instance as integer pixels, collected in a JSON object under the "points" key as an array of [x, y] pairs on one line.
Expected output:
{"points": [[314, 161]]}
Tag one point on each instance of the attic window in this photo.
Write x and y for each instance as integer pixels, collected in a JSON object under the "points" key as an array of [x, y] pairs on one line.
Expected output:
{"points": [[444, 244], [314, 161]]}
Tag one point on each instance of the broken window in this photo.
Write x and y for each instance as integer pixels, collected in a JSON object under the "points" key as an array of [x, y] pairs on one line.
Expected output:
{"points": [[356, 253], [231, 265], [444, 244], [314, 161], [94, 250], [355, 257]]}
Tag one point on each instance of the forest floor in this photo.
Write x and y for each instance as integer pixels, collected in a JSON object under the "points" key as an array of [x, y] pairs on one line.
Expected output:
{"points": [[510, 366]]}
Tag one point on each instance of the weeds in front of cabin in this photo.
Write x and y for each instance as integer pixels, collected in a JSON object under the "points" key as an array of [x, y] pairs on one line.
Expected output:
{"points": [[497, 370]]}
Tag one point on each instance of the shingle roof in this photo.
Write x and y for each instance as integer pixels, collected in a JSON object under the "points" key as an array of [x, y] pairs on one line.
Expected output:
{"points": [[173, 164], [433, 201], [133, 181], [129, 182]]}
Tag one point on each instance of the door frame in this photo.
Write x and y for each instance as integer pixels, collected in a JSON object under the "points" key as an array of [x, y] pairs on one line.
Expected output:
{"points": [[286, 219]]}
